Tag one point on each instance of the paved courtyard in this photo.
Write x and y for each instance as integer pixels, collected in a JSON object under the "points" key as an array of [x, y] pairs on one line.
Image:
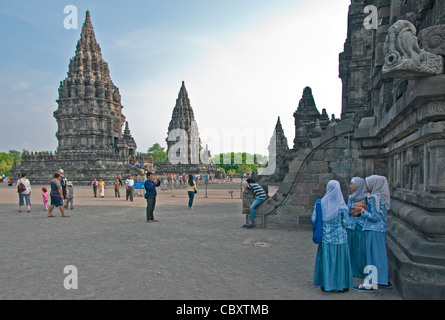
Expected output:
{"points": [[201, 254]]}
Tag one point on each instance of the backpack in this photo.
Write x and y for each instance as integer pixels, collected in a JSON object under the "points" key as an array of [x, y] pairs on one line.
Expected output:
{"points": [[21, 187], [317, 226]]}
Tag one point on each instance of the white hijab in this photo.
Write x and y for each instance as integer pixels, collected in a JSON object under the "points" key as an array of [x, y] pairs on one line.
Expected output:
{"points": [[360, 192], [333, 201], [379, 189]]}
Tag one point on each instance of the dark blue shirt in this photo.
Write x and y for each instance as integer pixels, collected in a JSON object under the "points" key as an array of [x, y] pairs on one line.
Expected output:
{"points": [[150, 187]]}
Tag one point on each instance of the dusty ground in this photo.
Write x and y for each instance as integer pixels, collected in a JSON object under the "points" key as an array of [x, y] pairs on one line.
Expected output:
{"points": [[202, 254]]}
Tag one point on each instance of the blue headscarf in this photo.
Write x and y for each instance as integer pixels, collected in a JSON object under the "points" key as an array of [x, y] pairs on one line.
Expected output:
{"points": [[333, 201], [360, 192], [379, 187]]}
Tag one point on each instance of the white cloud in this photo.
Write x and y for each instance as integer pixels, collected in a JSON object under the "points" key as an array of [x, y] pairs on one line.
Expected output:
{"points": [[20, 85], [256, 75]]}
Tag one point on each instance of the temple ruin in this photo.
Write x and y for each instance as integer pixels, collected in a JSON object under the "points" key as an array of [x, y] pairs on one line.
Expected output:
{"points": [[89, 116], [392, 124]]}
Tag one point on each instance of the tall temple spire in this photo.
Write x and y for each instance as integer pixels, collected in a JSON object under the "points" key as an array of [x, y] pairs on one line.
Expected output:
{"points": [[183, 118], [89, 99], [183, 114], [282, 145]]}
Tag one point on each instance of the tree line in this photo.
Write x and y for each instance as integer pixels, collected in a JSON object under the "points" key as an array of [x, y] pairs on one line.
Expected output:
{"points": [[231, 162], [7, 161]]}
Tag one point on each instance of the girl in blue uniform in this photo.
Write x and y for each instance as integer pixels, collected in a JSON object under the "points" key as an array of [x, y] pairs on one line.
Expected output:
{"points": [[333, 264], [374, 227], [354, 227]]}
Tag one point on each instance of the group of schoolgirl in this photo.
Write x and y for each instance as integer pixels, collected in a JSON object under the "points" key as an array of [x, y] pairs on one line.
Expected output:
{"points": [[353, 237]]}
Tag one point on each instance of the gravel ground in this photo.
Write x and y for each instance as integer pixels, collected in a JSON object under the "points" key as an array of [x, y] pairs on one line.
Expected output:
{"points": [[201, 254]]}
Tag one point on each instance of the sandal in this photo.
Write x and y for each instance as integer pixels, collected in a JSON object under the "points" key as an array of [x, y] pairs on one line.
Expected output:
{"points": [[51, 216]]}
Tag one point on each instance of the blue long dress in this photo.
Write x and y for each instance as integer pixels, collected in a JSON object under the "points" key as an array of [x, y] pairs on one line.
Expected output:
{"points": [[374, 229], [356, 242], [333, 264]]}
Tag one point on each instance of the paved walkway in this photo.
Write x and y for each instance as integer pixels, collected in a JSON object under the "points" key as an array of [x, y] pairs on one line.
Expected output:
{"points": [[202, 254]]}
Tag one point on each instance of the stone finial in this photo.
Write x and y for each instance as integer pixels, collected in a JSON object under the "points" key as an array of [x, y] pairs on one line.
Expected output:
{"points": [[404, 59], [317, 129]]}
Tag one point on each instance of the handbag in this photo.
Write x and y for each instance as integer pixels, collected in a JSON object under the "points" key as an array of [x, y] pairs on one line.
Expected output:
{"points": [[21, 187], [196, 191], [317, 226]]}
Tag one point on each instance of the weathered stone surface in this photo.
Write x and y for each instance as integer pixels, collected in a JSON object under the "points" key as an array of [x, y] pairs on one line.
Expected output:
{"points": [[404, 58], [432, 39]]}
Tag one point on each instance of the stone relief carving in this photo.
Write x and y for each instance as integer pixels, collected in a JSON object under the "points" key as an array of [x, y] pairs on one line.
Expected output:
{"points": [[404, 59], [432, 39]]}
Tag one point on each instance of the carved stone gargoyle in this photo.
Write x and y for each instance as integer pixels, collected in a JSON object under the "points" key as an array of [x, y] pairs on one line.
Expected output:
{"points": [[404, 59]]}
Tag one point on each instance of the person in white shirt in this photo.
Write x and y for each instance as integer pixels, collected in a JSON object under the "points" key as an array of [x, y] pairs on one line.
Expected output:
{"points": [[26, 194], [129, 183]]}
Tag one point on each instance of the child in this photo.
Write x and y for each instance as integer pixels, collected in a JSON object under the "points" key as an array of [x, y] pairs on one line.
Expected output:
{"points": [[374, 228], [333, 264], [69, 195], [45, 196], [354, 227]]}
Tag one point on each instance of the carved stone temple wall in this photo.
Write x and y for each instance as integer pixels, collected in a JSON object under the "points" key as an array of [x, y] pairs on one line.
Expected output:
{"points": [[392, 124], [89, 116]]}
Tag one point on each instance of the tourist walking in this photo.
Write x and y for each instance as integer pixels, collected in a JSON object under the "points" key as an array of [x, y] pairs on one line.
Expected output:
{"points": [[374, 215], [69, 195], [101, 186], [333, 264], [94, 184], [150, 195], [45, 196], [260, 197], [56, 196], [117, 185], [354, 227], [191, 190], [129, 183], [63, 183], [24, 191]]}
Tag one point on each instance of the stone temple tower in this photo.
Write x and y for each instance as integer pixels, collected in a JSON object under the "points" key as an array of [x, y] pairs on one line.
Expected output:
{"points": [[89, 115], [183, 119], [92, 143]]}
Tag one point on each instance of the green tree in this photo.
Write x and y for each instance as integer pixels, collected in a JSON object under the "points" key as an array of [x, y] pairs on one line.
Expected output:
{"points": [[240, 162], [7, 161], [158, 153]]}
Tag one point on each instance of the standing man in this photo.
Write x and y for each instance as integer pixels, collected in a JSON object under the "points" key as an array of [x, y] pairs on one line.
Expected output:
{"points": [[117, 185], [150, 195], [130, 187], [63, 183], [56, 196], [94, 184]]}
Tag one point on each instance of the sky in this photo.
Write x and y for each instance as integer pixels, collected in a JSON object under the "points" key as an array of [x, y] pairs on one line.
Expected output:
{"points": [[244, 63]]}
